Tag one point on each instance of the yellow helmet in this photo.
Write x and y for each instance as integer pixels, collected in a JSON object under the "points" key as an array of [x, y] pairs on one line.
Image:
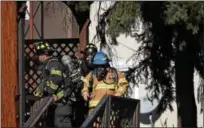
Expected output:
{"points": [[90, 49], [43, 48]]}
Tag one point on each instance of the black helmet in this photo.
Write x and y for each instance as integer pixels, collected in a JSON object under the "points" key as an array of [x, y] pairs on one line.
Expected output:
{"points": [[43, 48], [90, 49]]}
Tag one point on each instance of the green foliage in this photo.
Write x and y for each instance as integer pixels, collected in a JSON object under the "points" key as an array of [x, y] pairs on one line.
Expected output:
{"points": [[79, 6], [81, 10], [191, 14], [167, 25], [123, 17], [158, 51], [82, 6]]}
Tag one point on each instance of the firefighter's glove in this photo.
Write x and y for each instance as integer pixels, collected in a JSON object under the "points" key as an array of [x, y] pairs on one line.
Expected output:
{"points": [[59, 95], [38, 92], [54, 97], [86, 96], [118, 94]]}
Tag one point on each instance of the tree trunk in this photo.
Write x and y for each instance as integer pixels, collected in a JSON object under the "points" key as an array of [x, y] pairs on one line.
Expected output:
{"points": [[9, 63], [184, 65]]}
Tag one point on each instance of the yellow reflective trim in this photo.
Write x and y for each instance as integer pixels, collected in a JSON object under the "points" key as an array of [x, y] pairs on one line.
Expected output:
{"points": [[85, 89], [121, 80], [60, 94], [46, 44], [52, 85], [106, 86], [42, 46], [56, 72], [85, 80], [37, 92], [89, 46], [82, 78], [121, 89], [93, 103]]}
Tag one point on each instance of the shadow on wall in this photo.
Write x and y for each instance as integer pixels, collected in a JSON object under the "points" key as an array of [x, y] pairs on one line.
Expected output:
{"points": [[149, 118], [148, 109]]}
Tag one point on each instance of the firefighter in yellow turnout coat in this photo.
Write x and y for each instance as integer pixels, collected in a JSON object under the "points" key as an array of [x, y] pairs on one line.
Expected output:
{"points": [[106, 80]]}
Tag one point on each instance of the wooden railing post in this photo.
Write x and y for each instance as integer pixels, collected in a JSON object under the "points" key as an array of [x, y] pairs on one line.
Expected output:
{"points": [[137, 115], [83, 38], [9, 63]]}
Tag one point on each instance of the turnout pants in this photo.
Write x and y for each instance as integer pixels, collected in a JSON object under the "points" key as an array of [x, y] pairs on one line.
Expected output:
{"points": [[63, 116]]}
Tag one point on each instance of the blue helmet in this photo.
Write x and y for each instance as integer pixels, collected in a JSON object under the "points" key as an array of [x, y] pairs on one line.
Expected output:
{"points": [[100, 58]]}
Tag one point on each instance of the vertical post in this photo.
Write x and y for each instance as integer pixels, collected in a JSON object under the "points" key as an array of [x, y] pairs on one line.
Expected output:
{"points": [[9, 67], [151, 120], [42, 20], [31, 20], [106, 122], [21, 82], [83, 38], [136, 116]]}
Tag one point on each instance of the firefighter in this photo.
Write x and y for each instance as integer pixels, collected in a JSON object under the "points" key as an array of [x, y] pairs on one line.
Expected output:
{"points": [[81, 106], [89, 52], [103, 80], [53, 84]]}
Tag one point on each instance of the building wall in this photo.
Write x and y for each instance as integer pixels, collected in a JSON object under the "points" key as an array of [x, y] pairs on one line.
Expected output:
{"points": [[121, 54], [58, 21]]}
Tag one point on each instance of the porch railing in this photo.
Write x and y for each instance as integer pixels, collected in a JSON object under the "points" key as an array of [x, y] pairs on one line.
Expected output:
{"points": [[112, 111]]}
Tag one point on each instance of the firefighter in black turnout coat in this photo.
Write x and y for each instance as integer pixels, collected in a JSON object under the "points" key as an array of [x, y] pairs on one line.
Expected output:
{"points": [[86, 64], [53, 84], [81, 106]]}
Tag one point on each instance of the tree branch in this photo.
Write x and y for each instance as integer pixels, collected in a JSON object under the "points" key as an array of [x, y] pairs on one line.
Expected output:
{"points": [[101, 27], [81, 15]]}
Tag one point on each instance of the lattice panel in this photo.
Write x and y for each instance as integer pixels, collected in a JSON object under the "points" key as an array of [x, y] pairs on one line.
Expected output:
{"points": [[32, 75], [98, 120], [120, 114]]}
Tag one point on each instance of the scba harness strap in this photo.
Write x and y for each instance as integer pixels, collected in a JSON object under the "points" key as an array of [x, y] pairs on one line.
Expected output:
{"points": [[51, 60], [53, 71], [68, 80]]}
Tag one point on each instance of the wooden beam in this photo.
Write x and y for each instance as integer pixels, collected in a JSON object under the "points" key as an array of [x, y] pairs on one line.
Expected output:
{"points": [[83, 38], [9, 63]]}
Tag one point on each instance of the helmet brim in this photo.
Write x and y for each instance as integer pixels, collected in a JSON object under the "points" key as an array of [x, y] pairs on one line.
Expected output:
{"points": [[45, 51]]}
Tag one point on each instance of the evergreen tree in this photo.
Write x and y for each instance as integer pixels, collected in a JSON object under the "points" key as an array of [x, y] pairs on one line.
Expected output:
{"points": [[81, 10], [173, 33]]}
